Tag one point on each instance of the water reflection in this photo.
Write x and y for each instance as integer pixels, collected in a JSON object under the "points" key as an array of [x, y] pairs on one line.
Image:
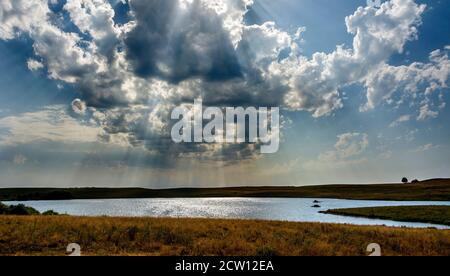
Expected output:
{"points": [[287, 209]]}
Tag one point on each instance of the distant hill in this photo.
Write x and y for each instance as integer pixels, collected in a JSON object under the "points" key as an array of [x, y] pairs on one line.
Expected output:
{"points": [[428, 190]]}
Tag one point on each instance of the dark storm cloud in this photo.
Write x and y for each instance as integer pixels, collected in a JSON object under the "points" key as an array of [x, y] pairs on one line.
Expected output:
{"points": [[175, 44], [145, 131]]}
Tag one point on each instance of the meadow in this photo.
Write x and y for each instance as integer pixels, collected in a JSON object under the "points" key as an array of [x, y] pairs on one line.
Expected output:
{"points": [[427, 214], [50, 235]]}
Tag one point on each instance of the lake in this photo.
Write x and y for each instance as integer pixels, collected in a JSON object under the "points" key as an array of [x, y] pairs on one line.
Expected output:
{"points": [[286, 209]]}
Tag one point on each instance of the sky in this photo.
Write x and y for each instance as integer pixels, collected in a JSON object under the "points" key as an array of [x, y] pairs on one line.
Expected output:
{"points": [[87, 88]]}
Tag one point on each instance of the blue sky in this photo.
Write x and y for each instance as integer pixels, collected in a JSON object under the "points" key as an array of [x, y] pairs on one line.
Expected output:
{"points": [[363, 91]]}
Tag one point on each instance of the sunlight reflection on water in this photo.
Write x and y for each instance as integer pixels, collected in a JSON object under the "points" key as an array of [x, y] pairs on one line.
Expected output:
{"points": [[286, 209]]}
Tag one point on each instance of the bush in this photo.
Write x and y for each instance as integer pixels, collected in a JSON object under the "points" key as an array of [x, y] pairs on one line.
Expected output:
{"points": [[415, 181], [404, 180], [21, 210], [50, 213], [3, 209]]}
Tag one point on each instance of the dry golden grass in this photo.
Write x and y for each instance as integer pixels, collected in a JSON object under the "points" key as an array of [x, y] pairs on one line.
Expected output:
{"points": [[40, 235]]}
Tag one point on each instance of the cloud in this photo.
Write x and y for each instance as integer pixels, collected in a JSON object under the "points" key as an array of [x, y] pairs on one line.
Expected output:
{"points": [[401, 119], [171, 52], [78, 107], [426, 147], [347, 151], [34, 65], [348, 145], [21, 16], [95, 17], [378, 33], [176, 43], [49, 124], [417, 80], [426, 113], [381, 32]]}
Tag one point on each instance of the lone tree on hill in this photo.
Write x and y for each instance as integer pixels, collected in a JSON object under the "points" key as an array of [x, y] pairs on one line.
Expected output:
{"points": [[405, 180]]}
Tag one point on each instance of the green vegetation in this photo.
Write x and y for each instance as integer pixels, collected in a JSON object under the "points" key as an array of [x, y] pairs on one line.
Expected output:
{"points": [[17, 210], [436, 189], [50, 235], [429, 214], [22, 210]]}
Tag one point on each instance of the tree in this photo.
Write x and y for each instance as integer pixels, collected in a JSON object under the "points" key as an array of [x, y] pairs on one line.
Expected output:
{"points": [[405, 180]]}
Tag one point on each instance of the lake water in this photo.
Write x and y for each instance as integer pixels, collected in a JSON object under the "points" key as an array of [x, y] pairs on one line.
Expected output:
{"points": [[286, 209]]}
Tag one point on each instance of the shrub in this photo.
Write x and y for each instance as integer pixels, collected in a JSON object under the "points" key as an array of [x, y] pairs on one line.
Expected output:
{"points": [[3, 209], [50, 213], [21, 210], [404, 180]]}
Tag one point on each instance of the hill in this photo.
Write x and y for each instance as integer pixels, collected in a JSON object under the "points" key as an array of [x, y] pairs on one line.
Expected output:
{"points": [[428, 190]]}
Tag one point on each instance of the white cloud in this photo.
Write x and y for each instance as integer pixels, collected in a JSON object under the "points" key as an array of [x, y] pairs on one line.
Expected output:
{"points": [[21, 16], [266, 42], [348, 145], [49, 124], [426, 113], [78, 107], [426, 147], [348, 151], [34, 65], [95, 17], [416, 80], [381, 32], [378, 33], [401, 119]]}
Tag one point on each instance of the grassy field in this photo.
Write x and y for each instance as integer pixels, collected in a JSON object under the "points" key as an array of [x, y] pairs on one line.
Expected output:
{"points": [[43, 235], [436, 189], [430, 214]]}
